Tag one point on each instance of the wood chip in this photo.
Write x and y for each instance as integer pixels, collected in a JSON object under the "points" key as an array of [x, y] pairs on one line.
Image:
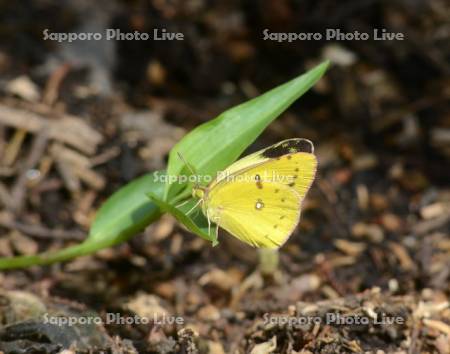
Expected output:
{"points": [[22, 244], [372, 231], [91, 178], [391, 222], [438, 325], [7, 221], [71, 181], [74, 166], [427, 226], [19, 190], [6, 247], [434, 210], [365, 162], [220, 279], [362, 193], [14, 146], [5, 197], [69, 156], [84, 208], [147, 306], [163, 228], [215, 348], [24, 88], [350, 248], [442, 344], [266, 347], [402, 255], [303, 284], [208, 313], [51, 91], [68, 129]]}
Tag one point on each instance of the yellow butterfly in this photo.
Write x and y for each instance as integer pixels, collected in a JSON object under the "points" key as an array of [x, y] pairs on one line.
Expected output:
{"points": [[258, 198]]}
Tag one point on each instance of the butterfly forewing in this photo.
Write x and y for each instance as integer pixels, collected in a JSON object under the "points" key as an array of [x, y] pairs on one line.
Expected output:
{"points": [[290, 162], [296, 171]]}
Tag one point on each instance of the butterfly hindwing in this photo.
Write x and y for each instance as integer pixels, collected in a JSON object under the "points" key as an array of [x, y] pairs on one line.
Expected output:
{"points": [[260, 217]]}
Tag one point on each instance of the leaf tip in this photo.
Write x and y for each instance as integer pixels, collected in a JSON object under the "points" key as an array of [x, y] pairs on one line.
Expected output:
{"points": [[323, 66]]}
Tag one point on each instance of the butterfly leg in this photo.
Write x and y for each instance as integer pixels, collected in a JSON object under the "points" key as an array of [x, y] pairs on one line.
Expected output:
{"points": [[209, 223], [195, 206], [216, 220], [181, 204], [217, 230]]}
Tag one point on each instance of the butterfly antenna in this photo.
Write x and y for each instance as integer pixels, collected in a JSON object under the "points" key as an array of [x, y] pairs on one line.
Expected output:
{"points": [[190, 168], [185, 162], [310, 143]]}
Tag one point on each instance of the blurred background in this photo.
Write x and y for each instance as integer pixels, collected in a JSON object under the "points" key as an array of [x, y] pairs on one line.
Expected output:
{"points": [[79, 120]]}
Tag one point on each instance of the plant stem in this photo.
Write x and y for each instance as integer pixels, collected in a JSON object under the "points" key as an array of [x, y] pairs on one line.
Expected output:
{"points": [[268, 261]]}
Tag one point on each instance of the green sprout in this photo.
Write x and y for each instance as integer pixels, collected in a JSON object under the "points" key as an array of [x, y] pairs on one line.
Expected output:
{"points": [[142, 201]]}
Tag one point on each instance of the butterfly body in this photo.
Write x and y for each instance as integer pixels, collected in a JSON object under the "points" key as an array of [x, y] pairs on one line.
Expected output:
{"points": [[258, 198]]}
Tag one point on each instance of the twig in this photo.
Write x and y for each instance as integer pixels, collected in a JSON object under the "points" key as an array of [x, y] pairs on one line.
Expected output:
{"points": [[326, 270], [68, 129], [13, 148], [76, 165], [7, 221], [54, 82], [424, 227], [2, 141], [414, 334], [105, 156], [37, 150], [5, 197]]}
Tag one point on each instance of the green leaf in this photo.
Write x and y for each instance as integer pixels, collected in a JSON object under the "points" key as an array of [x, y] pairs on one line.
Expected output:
{"points": [[196, 224], [210, 147], [128, 210], [124, 214], [213, 146]]}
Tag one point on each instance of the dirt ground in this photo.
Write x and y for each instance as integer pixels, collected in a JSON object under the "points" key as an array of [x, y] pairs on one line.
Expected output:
{"points": [[79, 120]]}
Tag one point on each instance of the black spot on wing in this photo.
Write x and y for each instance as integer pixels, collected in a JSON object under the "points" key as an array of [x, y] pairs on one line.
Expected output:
{"points": [[289, 147], [258, 181]]}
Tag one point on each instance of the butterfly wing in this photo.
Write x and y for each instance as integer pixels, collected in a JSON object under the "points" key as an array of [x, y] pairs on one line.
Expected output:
{"points": [[290, 162], [258, 198], [296, 171], [260, 217]]}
